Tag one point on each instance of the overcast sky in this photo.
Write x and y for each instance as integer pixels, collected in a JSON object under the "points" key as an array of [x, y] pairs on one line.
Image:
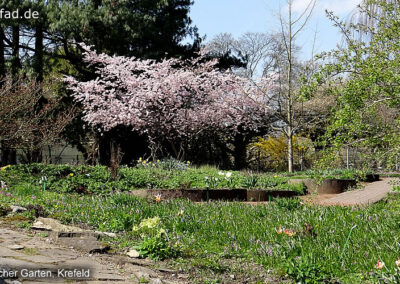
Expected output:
{"points": [[239, 16]]}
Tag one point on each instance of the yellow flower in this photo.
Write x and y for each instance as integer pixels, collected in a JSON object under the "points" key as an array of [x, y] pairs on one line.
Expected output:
{"points": [[154, 165], [275, 176], [158, 161], [157, 198], [188, 162], [71, 174], [6, 167], [380, 264], [140, 160], [180, 213]]}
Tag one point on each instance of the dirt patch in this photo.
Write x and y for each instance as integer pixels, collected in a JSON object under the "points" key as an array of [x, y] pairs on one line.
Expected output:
{"points": [[316, 199]]}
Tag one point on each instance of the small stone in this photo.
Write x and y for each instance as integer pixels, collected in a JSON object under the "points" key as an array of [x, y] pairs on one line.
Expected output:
{"points": [[155, 281], [111, 235], [17, 209], [16, 247], [133, 253], [232, 276]]}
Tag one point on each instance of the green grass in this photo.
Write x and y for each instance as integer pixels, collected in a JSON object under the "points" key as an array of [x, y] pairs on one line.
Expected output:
{"points": [[209, 233], [210, 237]]}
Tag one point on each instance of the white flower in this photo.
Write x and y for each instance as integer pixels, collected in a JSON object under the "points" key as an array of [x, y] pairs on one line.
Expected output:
{"points": [[228, 174], [221, 173]]}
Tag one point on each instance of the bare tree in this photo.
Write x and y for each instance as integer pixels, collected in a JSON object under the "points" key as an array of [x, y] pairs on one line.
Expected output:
{"points": [[256, 50], [221, 44], [27, 124], [291, 26]]}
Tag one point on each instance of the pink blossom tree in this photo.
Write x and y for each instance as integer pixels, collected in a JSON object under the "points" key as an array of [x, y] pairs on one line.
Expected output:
{"points": [[169, 101]]}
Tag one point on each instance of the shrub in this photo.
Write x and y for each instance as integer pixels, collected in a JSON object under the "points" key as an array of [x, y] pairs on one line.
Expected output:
{"points": [[157, 248], [305, 269], [154, 242]]}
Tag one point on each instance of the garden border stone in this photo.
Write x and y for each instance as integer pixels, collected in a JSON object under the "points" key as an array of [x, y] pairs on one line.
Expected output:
{"points": [[198, 195]]}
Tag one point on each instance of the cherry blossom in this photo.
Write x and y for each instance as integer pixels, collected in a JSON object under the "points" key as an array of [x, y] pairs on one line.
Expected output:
{"points": [[171, 99]]}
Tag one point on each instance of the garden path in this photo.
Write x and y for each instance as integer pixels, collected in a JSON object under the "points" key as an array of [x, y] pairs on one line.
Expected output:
{"points": [[20, 249], [371, 193]]}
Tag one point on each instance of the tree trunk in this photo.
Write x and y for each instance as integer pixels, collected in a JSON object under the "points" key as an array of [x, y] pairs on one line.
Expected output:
{"points": [[290, 150], [15, 62], [36, 152], [289, 95], [116, 158], [240, 151], [2, 74], [38, 57], [2, 58], [8, 154], [104, 155]]}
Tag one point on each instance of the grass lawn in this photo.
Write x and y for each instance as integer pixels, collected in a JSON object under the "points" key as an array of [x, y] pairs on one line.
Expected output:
{"points": [[296, 241]]}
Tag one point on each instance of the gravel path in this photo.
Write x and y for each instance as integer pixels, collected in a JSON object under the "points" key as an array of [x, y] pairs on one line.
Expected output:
{"points": [[371, 193]]}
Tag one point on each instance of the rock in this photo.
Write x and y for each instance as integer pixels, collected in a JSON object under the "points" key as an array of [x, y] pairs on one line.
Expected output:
{"points": [[16, 247], [17, 209], [12, 282], [107, 234], [49, 224], [83, 242], [142, 276], [155, 281], [133, 253]]}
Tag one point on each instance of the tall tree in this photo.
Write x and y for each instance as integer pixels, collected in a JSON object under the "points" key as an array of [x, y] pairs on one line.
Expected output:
{"points": [[364, 77], [291, 26], [167, 103]]}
